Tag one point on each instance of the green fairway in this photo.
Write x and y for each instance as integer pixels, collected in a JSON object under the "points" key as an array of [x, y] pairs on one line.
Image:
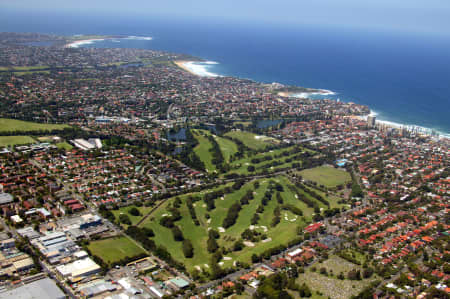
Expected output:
{"points": [[13, 125], [202, 149], [269, 161], [282, 233], [113, 250], [253, 141], [326, 175], [227, 147], [15, 140]]}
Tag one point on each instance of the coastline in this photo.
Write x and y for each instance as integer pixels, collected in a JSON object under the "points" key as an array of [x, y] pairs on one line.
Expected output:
{"points": [[181, 65], [306, 94], [88, 41], [200, 68], [384, 124]]}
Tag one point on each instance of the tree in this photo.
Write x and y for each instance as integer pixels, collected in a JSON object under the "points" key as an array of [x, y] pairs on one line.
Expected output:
{"points": [[212, 245], [124, 219], [134, 211], [188, 249], [177, 234]]}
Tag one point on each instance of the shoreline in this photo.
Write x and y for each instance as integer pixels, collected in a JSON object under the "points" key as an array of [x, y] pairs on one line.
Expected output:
{"points": [[199, 68], [420, 130], [88, 41], [306, 94], [181, 65]]}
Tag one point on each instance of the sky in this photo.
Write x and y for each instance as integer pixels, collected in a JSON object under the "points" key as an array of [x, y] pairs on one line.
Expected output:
{"points": [[424, 16]]}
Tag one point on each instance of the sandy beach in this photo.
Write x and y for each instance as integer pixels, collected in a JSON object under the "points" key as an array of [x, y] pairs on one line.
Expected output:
{"points": [[198, 68], [181, 64]]}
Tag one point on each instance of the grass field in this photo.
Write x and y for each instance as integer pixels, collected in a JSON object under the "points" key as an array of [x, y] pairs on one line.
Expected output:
{"points": [[227, 147], [331, 286], [251, 140], [114, 249], [64, 145], [202, 149], [15, 140], [9, 125], [326, 175], [285, 231]]}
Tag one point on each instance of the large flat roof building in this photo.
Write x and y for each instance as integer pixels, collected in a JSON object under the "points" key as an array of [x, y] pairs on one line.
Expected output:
{"points": [[78, 269], [43, 288]]}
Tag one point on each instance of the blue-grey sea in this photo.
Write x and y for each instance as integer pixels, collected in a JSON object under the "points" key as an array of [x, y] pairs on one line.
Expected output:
{"points": [[403, 77]]}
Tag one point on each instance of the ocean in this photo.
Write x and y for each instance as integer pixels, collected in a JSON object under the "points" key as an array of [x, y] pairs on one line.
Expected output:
{"points": [[403, 77]]}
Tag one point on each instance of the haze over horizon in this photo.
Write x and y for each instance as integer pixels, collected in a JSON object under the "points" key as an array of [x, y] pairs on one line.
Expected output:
{"points": [[415, 16]]}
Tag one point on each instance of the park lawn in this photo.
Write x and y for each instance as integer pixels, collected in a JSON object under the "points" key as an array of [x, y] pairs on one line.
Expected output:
{"points": [[134, 219], [14, 125], [202, 150], [29, 68], [15, 140], [326, 175], [332, 286], [113, 250], [31, 72], [253, 141], [64, 145], [227, 147]]}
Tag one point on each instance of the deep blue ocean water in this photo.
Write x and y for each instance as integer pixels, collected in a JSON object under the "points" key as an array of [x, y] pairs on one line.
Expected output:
{"points": [[405, 78]]}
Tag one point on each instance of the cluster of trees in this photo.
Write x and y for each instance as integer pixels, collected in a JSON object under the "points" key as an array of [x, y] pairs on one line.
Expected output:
{"points": [[252, 235], [190, 205], [356, 188], [177, 233], [232, 215], [123, 218], [241, 148], [276, 216], [247, 197], [211, 244], [276, 286], [302, 197], [188, 249], [348, 257], [142, 235], [210, 197], [134, 211], [217, 156], [106, 213], [169, 221], [293, 209], [314, 194], [187, 155]]}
